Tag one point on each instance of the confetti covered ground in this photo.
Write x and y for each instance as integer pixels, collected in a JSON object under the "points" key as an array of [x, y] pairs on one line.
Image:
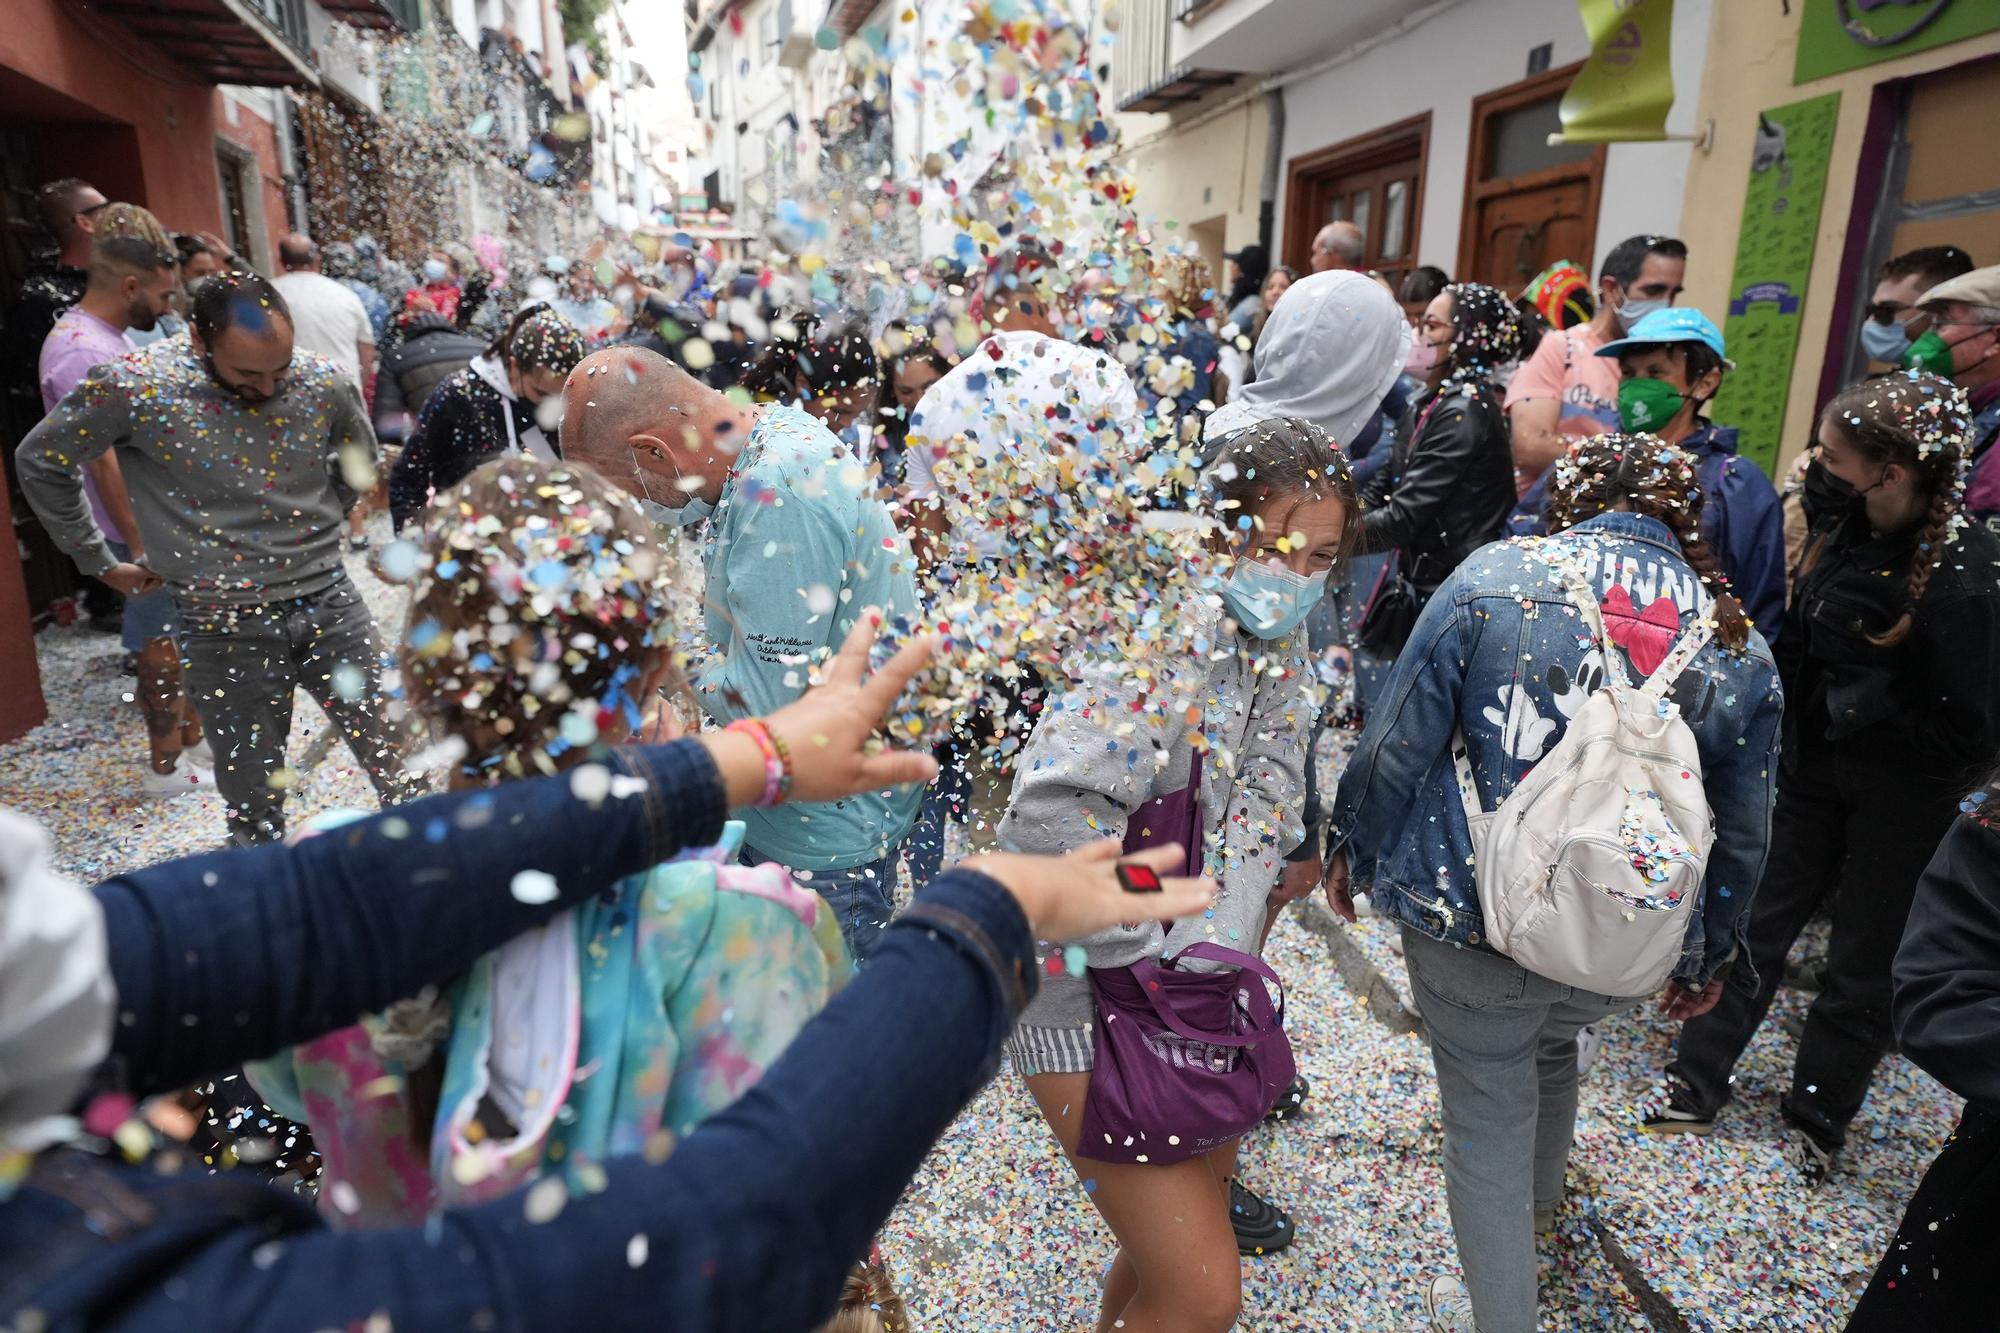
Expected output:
{"points": [[996, 1232]]}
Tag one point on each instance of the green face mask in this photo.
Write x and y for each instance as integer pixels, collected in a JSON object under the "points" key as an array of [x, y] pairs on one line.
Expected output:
{"points": [[1930, 352], [1648, 405]]}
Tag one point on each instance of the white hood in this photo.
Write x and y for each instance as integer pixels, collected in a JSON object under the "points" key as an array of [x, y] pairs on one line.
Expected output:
{"points": [[56, 997], [1329, 353]]}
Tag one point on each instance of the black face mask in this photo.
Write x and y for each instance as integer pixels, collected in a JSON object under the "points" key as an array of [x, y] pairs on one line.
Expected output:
{"points": [[1827, 496]]}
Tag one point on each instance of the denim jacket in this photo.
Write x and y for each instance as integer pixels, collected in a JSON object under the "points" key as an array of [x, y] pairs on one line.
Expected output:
{"points": [[1500, 653]]}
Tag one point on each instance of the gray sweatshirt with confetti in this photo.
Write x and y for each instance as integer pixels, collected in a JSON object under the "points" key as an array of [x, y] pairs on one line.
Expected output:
{"points": [[238, 503], [1095, 758]]}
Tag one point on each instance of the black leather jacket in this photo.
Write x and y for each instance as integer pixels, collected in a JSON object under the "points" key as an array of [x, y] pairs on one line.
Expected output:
{"points": [[1447, 490]]}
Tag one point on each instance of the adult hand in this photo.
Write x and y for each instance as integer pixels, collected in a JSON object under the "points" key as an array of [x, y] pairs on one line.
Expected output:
{"points": [[132, 579], [1298, 881], [830, 727], [1679, 1003], [1340, 886], [1077, 894]]}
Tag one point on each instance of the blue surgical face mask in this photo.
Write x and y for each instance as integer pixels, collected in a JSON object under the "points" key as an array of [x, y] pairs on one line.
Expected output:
{"points": [[435, 270], [1885, 342], [685, 515], [1635, 310], [1271, 601]]}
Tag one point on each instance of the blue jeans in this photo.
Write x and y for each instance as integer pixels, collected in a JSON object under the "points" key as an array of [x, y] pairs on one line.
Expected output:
{"points": [[225, 957], [862, 897], [946, 802]]}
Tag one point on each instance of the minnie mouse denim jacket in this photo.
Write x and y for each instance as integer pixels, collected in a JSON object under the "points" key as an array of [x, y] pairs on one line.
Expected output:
{"points": [[1501, 653]]}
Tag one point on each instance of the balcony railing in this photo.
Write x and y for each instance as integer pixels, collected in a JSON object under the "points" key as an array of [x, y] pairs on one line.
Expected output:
{"points": [[1139, 62]]}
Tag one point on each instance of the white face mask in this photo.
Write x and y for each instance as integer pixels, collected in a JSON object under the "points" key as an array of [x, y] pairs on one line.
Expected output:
{"points": [[1635, 310], [56, 998]]}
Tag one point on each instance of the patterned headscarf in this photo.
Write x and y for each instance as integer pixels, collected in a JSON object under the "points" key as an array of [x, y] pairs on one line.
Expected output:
{"points": [[544, 340], [1488, 337]]}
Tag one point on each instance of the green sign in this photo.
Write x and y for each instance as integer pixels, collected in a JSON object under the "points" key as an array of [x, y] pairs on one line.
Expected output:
{"points": [[1774, 254], [1836, 35]]}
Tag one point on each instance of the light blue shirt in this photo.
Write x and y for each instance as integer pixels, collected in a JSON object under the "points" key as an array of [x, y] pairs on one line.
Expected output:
{"points": [[798, 546]]}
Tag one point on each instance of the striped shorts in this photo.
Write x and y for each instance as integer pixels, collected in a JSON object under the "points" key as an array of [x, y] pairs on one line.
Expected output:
{"points": [[1033, 1050]]}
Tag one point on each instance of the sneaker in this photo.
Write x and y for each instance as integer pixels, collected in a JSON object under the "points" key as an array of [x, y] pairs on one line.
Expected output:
{"points": [[199, 754], [186, 777], [1545, 1219], [128, 665], [1679, 1116], [1814, 1161], [1588, 1044], [1449, 1305], [357, 543], [1364, 907], [1261, 1228], [1290, 1102]]}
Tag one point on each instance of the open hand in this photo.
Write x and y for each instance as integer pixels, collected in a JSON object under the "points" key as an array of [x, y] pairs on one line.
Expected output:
{"points": [[1077, 894], [1297, 881], [830, 727]]}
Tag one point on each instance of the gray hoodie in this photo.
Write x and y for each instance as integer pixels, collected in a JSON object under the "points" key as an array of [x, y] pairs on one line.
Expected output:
{"points": [[1093, 760], [239, 503]]}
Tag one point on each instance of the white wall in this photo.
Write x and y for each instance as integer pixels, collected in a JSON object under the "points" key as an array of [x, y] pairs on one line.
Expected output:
{"points": [[1474, 49]]}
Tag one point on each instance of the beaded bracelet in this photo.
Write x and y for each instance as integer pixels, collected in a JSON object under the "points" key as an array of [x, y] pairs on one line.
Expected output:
{"points": [[777, 760]]}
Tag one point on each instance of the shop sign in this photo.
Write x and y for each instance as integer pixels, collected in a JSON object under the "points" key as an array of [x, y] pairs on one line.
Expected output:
{"points": [[1837, 35], [1774, 255]]}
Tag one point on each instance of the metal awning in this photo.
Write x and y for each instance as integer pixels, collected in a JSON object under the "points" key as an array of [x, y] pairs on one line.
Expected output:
{"points": [[1181, 85], [259, 43]]}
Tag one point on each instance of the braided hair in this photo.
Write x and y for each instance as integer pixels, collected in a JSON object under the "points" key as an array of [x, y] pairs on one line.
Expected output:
{"points": [[1658, 480], [1923, 424], [869, 1303], [538, 338], [1488, 334]]}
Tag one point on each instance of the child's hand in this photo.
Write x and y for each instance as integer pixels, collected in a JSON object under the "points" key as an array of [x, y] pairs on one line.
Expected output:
{"points": [[1068, 897], [831, 728]]}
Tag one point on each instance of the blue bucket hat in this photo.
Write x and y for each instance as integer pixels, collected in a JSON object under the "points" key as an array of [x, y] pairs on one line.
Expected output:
{"points": [[1675, 324]]}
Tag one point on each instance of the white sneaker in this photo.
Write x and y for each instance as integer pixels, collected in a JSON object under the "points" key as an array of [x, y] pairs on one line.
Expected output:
{"points": [[200, 754], [1449, 1305], [187, 776], [1588, 1044]]}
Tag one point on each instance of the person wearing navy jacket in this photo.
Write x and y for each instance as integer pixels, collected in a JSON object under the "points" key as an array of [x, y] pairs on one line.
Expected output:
{"points": [[750, 1224], [1671, 367]]}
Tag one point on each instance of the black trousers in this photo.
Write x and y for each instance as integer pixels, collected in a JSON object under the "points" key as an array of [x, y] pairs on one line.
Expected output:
{"points": [[1861, 833], [1938, 1272]]}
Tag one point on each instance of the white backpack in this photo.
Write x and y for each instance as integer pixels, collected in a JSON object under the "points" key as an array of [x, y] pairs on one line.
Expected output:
{"points": [[1590, 870]]}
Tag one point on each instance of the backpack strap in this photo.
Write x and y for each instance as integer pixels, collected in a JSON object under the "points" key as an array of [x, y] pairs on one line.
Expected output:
{"points": [[1461, 762], [1584, 598], [1681, 656]]}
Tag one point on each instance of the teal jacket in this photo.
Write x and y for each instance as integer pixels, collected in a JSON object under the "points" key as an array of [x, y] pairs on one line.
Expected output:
{"points": [[798, 546]]}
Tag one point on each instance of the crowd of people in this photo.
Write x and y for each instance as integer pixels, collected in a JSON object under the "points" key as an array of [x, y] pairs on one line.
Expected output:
{"points": [[575, 1039]]}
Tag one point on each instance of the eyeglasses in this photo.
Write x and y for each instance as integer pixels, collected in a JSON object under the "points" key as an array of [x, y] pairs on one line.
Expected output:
{"points": [[1889, 312]]}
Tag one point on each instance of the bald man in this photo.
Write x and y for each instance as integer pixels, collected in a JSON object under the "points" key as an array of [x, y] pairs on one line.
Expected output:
{"points": [[328, 318], [799, 545], [1338, 245]]}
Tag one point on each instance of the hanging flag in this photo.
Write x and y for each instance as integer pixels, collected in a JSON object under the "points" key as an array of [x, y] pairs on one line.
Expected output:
{"points": [[1625, 89]]}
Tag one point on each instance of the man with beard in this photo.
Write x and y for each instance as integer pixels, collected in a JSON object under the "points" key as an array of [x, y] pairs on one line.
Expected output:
{"points": [[241, 460], [131, 286]]}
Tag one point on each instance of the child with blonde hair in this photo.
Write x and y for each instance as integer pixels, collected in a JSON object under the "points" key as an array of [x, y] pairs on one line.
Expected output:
{"points": [[540, 633]]}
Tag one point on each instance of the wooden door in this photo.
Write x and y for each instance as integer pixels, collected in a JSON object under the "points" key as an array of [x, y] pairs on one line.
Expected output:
{"points": [[1527, 204], [1521, 231], [1376, 182]]}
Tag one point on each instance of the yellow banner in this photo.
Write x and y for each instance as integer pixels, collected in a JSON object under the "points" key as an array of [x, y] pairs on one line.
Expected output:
{"points": [[1625, 89]]}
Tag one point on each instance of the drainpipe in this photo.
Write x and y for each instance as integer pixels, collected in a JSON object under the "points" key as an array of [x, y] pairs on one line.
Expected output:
{"points": [[1274, 163]]}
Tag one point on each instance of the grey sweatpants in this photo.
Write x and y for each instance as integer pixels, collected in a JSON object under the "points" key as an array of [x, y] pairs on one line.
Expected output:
{"points": [[1504, 1043], [243, 665]]}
